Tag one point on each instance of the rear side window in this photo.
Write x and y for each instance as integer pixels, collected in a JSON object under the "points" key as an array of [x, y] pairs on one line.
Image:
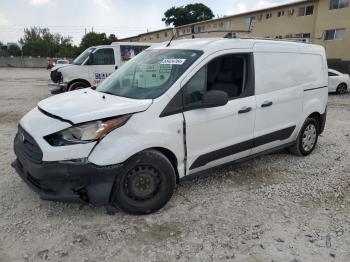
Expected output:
{"points": [[129, 51], [104, 56], [276, 71], [226, 73], [332, 74]]}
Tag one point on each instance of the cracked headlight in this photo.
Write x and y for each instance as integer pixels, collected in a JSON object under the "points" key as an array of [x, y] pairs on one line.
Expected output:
{"points": [[87, 132]]}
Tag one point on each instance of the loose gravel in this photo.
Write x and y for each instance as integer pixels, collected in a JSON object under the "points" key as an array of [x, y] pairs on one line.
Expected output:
{"points": [[277, 207]]}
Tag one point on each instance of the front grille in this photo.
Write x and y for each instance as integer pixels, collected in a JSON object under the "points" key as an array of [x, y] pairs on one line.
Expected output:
{"points": [[26, 144], [56, 76]]}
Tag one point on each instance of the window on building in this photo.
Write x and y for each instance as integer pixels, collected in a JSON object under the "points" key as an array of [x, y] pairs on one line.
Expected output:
{"points": [[215, 25], [337, 4], [158, 35], [249, 20], [335, 34], [303, 35], [268, 15], [165, 34], [289, 36], [290, 11], [306, 10], [280, 13], [227, 24]]}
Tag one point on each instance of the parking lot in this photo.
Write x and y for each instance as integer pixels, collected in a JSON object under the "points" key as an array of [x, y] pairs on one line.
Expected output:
{"points": [[274, 208]]}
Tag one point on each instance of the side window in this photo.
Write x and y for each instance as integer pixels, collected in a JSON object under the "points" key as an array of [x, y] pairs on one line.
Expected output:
{"points": [[104, 57], [196, 87], [129, 51], [332, 74], [225, 73]]}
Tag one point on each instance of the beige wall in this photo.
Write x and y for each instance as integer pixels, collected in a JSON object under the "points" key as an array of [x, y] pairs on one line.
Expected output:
{"points": [[316, 24], [333, 19]]}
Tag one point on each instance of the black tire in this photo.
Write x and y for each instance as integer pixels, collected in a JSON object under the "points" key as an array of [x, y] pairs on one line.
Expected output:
{"points": [[145, 185], [342, 88], [77, 85], [306, 142]]}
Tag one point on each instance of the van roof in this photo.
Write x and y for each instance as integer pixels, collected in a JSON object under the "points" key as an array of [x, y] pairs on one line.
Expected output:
{"points": [[132, 43], [214, 44]]}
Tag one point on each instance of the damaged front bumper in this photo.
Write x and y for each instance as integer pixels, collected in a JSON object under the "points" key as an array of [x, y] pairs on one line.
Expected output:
{"points": [[56, 88], [67, 181]]}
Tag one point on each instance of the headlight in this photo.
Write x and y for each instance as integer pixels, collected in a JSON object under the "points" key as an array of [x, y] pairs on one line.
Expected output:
{"points": [[87, 132]]}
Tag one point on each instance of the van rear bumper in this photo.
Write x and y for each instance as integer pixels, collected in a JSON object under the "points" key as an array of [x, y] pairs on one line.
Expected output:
{"points": [[68, 181]]}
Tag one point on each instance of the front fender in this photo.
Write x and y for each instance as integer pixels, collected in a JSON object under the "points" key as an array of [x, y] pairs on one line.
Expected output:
{"points": [[139, 134]]}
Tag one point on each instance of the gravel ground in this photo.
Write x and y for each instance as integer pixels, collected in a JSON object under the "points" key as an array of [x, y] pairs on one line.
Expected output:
{"points": [[274, 208]]}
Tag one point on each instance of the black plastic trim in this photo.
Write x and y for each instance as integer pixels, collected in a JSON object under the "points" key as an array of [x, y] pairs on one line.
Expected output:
{"points": [[315, 88], [243, 146], [210, 170], [323, 121]]}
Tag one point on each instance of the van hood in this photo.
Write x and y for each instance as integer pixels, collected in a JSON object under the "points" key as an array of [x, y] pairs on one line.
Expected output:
{"points": [[60, 66], [87, 105]]}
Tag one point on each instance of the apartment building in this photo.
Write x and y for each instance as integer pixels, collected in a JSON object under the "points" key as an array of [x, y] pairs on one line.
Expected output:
{"points": [[324, 22]]}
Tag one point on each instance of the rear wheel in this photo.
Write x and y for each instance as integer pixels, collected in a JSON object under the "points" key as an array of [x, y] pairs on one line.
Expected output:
{"points": [[342, 88], [307, 138], [145, 185], [77, 85]]}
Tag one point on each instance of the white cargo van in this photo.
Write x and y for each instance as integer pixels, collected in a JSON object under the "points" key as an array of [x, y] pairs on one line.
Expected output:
{"points": [[174, 110], [93, 66]]}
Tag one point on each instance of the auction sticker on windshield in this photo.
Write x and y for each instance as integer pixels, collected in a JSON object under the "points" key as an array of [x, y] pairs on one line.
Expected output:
{"points": [[173, 61]]}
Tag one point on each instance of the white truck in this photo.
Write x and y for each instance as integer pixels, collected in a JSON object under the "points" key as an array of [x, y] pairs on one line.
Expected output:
{"points": [[177, 109], [93, 66]]}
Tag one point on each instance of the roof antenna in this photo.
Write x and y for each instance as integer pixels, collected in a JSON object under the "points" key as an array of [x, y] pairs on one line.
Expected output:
{"points": [[172, 37]]}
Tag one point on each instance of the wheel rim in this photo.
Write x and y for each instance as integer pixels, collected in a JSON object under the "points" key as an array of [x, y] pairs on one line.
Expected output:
{"points": [[342, 89], [309, 137], [142, 183]]}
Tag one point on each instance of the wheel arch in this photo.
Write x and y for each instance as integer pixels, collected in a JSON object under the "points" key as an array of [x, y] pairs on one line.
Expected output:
{"points": [[317, 116], [78, 80], [170, 155]]}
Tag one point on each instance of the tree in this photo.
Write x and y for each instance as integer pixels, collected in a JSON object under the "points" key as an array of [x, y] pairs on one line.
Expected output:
{"points": [[14, 50], [188, 14], [93, 39], [40, 42]]}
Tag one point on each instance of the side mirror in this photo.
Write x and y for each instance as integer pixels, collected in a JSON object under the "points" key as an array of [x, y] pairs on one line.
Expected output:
{"points": [[214, 98]]}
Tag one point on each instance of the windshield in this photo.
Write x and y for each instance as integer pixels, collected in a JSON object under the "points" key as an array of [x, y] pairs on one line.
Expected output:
{"points": [[82, 57], [149, 74]]}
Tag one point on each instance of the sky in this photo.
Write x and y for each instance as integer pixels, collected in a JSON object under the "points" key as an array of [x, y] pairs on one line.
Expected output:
{"points": [[121, 17]]}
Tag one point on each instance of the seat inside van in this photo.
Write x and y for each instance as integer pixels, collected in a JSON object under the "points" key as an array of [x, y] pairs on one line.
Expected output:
{"points": [[226, 73]]}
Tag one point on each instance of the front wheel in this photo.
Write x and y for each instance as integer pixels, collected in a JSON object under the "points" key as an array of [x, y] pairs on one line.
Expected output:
{"points": [[307, 138], [77, 85], [145, 185]]}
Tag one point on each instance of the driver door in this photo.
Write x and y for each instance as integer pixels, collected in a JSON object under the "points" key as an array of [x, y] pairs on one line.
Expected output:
{"points": [[219, 135], [102, 65]]}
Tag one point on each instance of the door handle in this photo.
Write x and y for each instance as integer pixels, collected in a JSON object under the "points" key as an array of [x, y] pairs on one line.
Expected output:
{"points": [[244, 110], [116, 67], [267, 103]]}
